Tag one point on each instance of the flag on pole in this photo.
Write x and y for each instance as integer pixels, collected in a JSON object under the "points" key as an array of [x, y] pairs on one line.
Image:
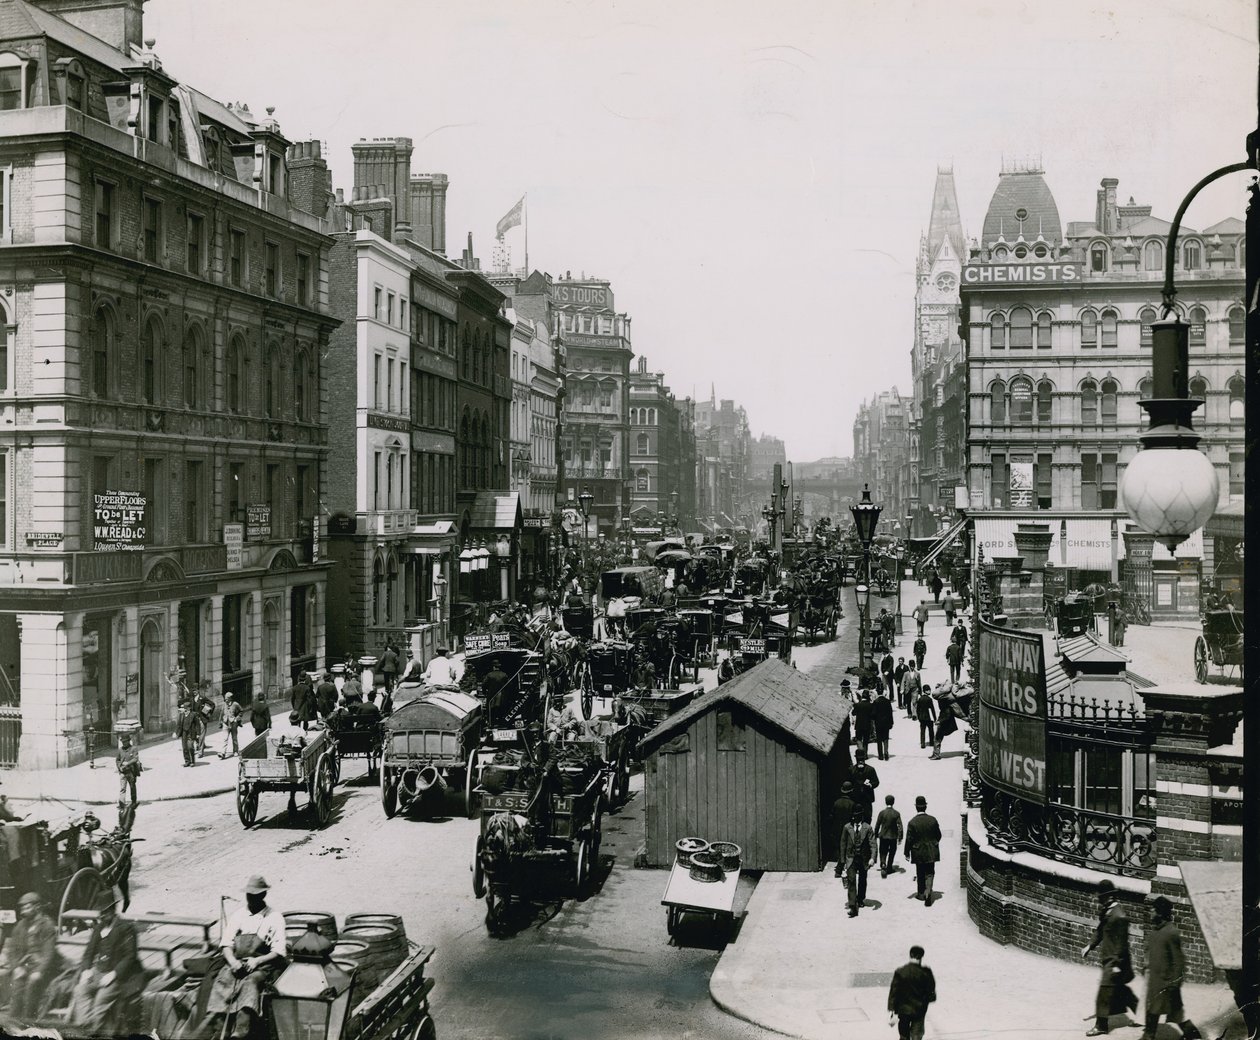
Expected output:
{"points": [[510, 219]]}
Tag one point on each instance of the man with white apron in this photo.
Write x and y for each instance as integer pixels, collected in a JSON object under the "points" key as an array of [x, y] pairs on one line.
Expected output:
{"points": [[255, 949]]}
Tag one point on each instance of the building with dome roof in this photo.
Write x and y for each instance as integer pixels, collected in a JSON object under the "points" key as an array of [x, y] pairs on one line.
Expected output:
{"points": [[1057, 324]]}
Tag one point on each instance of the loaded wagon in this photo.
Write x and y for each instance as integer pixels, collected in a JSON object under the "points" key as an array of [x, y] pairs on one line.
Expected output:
{"points": [[430, 747], [289, 764]]}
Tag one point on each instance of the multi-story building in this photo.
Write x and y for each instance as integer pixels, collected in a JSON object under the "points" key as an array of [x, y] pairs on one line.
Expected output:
{"points": [[763, 454], [722, 429], [658, 462], [881, 452], [687, 471], [1058, 345], [163, 260], [522, 337]]}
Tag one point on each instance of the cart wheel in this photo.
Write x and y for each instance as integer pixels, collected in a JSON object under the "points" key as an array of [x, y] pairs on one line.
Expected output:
{"points": [[1200, 660], [597, 833], [479, 871], [247, 804], [424, 1029], [672, 916], [389, 793], [321, 791], [472, 800], [582, 867], [86, 890], [334, 761], [587, 698]]}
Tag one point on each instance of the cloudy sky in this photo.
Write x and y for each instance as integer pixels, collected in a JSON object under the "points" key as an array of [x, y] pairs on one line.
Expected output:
{"points": [[752, 177]]}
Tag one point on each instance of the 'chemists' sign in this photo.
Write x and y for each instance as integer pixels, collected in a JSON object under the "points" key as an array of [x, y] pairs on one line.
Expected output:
{"points": [[1013, 712], [118, 521]]}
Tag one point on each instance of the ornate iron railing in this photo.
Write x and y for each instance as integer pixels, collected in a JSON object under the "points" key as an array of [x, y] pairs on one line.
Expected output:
{"points": [[1101, 841], [1091, 709]]}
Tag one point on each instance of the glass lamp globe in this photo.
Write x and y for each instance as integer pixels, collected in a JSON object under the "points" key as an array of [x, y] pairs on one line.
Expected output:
{"points": [[1170, 492]]}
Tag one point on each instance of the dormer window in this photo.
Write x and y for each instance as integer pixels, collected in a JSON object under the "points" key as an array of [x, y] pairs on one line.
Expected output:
{"points": [[274, 174], [12, 82], [74, 91], [156, 114]]}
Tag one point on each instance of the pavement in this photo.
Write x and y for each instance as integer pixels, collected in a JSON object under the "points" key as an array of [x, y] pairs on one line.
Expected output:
{"points": [[801, 967]]}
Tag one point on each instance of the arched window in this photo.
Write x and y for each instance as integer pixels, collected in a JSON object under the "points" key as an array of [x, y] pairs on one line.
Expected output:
{"points": [[1089, 329], [641, 444], [464, 449], [1045, 402], [1192, 255], [193, 368], [1109, 391], [1198, 388], [997, 402], [1153, 255], [1089, 403], [151, 362], [465, 361], [485, 366], [1109, 322], [1145, 385], [1237, 407], [651, 413], [1146, 316], [997, 336], [1198, 326], [102, 350], [1237, 326], [271, 388], [1043, 330], [642, 481], [1021, 400], [1241, 254], [1098, 257], [303, 386], [1020, 336], [236, 381]]}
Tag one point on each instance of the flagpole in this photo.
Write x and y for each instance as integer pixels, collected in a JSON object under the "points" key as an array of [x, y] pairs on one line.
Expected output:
{"points": [[527, 234]]}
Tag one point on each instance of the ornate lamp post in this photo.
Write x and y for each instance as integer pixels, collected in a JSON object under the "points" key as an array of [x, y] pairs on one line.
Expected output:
{"points": [[585, 501], [865, 520], [770, 514], [673, 509]]}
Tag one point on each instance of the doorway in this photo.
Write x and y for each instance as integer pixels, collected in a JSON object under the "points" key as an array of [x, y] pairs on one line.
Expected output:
{"points": [[151, 676], [271, 649], [190, 642], [98, 671]]}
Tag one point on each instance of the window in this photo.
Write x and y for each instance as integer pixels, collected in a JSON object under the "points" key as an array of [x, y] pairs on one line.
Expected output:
{"points": [[233, 632], [1098, 258], [151, 229], [1107, 491], [1001, 490], [1192, 256], [1044, 479], [1089, 403], [1237, 474], [1237, 326], [1198, 327], [389, 384], [104, 215], [155, 119], [271, 390], [172, 125], [271, 273], [275, 174], [1198, 388], [74, 91], [271, 490], [102, 351], [1021, 335], [154, 502], [1045, 402], [389, 308], [11, 83], [235, 491], [1089, 329], [196, 232], [150, 362], [235, 376], [1237, 407], [641, 444], [1109, 322], [194, 503], [378, 483], [1146, 316], [1021, 401], [192, 368], [1153, 256], [303, 387], [997, 335], [1144, 389], [997, 403], [376, 304], [236, 257], [376, 381], [1109, 392], [303, 278], [299, 621], [1089, 481], [1043, 331]]}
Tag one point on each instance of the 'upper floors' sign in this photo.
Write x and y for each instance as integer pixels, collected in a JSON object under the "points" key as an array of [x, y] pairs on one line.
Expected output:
{"points": [[1022, 274], [118, 521]]}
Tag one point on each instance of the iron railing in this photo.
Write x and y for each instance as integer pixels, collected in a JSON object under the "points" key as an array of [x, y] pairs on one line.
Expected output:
{"points": [[10, 735]]}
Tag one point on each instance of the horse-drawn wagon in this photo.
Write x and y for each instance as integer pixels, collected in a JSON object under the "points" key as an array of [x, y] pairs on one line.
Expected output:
{"points": [[1220, 644], [288, 764], [431, 746]]}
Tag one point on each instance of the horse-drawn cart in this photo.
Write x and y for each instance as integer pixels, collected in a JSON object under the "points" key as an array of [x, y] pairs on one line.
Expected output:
{"points": [[305, 762], [431, 745], [1221, 643]]}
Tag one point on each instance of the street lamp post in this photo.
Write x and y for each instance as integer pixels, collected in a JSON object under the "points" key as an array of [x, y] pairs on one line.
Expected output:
{"points": [[770, 514], [585, 501], [865, 519]]}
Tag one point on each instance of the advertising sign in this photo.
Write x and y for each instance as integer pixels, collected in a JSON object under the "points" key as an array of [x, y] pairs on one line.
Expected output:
{"points": [[258, 521], [315, 540], [118, 522], [234, 541], [1013, 712], [1021, 485], [1021, 274], [577, 294], [752, 646]]}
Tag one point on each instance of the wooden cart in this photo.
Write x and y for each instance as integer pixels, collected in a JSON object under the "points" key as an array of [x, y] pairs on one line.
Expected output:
{"points": [[431, 745], [271, 763], [1221, 643], [685, 895]]}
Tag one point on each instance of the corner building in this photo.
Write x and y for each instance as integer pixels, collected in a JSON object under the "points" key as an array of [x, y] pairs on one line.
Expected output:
{"points": [[162, 265]]}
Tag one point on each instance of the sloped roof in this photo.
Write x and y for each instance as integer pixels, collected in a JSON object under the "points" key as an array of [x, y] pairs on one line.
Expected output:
{"points": [[803, 708], [1087, 649], [1228, 226], [945, 222], [497, 511], [1151, 226], [1026, 191], [16, 21]]}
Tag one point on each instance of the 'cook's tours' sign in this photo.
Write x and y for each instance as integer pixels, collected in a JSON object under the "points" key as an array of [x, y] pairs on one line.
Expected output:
{"points": [[1013, 711], [118, 521]]}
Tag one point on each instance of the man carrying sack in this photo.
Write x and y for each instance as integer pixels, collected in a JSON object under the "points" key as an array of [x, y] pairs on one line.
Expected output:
{"points": [[254, 947]]}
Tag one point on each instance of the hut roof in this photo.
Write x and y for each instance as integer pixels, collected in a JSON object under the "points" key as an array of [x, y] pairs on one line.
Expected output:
{"points": [[801, 707]]}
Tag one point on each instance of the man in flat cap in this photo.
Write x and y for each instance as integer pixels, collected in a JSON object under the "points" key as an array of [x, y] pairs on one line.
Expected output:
{"points": [[254, 947]]}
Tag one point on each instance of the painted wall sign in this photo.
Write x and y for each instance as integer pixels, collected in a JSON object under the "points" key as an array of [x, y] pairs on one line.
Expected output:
{"points": [[118, 521], [576, 294], [257, 521], [234, 542], [1013, 711], [1022, 274], [388, 422]]}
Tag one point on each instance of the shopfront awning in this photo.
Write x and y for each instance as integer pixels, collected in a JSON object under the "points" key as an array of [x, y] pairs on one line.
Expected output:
{"points": [[496, 511], [1086, 547], [943, 543]]}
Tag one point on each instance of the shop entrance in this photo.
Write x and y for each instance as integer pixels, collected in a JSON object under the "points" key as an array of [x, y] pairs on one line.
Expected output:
{"points": [[98, 671], [190, 642], [151, 676]]}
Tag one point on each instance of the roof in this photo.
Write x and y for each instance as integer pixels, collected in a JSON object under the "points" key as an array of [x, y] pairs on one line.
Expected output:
{"points": [[1215, 890], [1029, 192], [1087, 649], [495, 510], [1228, 226], [945, 222], [800, 706]]}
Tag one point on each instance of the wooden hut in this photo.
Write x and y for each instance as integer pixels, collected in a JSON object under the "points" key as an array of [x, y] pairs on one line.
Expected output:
{"points": [[758, 761]]}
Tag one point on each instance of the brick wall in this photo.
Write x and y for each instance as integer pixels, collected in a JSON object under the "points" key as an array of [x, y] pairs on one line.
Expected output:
{"points": [[341, 372]]}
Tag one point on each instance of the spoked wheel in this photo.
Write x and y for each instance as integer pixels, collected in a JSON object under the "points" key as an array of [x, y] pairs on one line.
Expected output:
{"points": [[479, 871], [87, 890], [247, 804], [472, 800], [424, 1029], [321, 791], [389, 793], [587, 698], [1200, 660], [582, 867], [621, 782]]}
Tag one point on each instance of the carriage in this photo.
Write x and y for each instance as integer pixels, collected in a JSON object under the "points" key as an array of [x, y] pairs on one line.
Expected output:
{"points": [[758, 631], [750, 578], [431, 746], [1220, 644], [818, 617], [289, 764], [578, 621], [356, 736], [606, 672], [1073, 614], [519, 701], [668, 645]]}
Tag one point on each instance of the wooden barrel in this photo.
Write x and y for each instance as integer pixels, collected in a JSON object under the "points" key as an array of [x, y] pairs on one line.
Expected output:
{"points": [[386, 946], [353, 955], [688, 847], [295, 922], [388, 920], [728, 853], [705, 866]]}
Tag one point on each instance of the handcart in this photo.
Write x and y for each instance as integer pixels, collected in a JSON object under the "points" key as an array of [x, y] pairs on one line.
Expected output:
{"points": [[707, 888]]}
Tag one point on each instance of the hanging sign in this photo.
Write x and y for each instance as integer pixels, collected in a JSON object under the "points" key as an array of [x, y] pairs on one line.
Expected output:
{"points": [[1013, 711]]}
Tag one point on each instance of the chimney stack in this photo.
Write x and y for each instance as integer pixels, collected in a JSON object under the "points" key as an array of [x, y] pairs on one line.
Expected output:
{"points": [[428, 210], [119, 23], [383, 166], [1107, 214], [308, 180]]}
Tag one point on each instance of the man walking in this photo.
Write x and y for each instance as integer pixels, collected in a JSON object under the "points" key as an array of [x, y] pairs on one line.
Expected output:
{"points": [[1165, 973], [937, 585], [863, 731], [913, 989], [882, 719], [886, 668], [857, 853], [959, 634], [186, 730], [953, 657], [910, 687], [950, 606], [923, 849], [945, 719], [231, 724], [920, 651], [925, 711], [260, 714], [899, 675], [388, 664], [129, 769], [1111, 939], [920, 615], [841, 813], [888, 832], [888, 624], [865, 781]]}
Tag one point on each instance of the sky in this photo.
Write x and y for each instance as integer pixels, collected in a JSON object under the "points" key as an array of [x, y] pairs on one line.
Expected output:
{"points": [[753, 178]]}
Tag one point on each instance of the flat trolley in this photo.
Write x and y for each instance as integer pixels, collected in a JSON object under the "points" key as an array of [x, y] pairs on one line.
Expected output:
{"points": [[685, 894], [286, 764]]}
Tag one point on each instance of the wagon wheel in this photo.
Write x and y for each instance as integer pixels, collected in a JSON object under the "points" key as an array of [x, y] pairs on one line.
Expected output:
{"points": [[479, 871], [587, 697], [1200, 659], [389, 793], [582, 867], [86, 890], [672, 916], [424, 1029], [472, 800], [247, 804], [321, 790], [597, 832], [334, 761]]}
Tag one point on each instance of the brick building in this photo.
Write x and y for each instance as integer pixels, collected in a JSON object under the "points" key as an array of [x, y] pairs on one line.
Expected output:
{"points": [[163, 262], [881, 453], [659, 465]]}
